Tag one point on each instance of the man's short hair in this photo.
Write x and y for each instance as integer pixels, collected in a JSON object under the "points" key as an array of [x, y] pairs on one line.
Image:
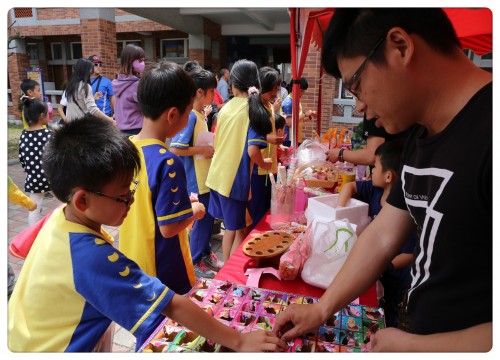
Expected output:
{"points": [[88, 152], [354, 32], [163, 85]]}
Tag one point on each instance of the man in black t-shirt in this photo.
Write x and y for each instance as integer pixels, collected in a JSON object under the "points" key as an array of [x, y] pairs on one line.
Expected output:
{"points": [[405, 67]]}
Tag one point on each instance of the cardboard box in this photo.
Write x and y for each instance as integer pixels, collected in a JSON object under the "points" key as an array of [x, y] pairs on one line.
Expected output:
{"points": [[326, 206]]}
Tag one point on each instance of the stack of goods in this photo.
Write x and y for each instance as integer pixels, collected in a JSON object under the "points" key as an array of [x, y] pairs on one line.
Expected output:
{"points": [[247, 309], [333, 138]]}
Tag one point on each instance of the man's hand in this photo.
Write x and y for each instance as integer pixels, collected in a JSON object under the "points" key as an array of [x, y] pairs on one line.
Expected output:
{"points": [[260, 341], [332, 155], [297, 320], [98, 95]]}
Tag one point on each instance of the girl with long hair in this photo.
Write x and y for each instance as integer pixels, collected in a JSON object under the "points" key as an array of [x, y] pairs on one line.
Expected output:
{"points": [[79, 93]]}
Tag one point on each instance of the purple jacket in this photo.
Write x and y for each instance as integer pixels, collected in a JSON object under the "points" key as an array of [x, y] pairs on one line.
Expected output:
{"points": [[127, 113]]}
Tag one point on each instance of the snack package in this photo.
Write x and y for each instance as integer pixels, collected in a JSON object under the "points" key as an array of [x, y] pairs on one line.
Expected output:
{"points": [[291, 262]]}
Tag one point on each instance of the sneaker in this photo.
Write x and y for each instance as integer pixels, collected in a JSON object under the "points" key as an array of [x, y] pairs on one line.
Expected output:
{"points": [[212, 261], [202, 271]]}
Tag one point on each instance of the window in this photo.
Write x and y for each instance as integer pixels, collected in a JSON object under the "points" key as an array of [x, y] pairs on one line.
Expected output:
{"points": [[32, 51], [76, 50], [56, 51], [121, 44], [174, 48]]}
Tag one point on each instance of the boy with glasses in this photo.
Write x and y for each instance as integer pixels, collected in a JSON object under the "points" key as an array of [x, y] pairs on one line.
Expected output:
{"points": [[406, 67], [101, 88], [74, 282]]}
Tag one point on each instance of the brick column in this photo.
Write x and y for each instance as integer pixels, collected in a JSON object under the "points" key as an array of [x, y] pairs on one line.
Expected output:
{"points": [[17, 63], [99, 37]]}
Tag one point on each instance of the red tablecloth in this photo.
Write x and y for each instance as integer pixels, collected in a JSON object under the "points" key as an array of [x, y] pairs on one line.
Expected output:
{"points": [[234, 271]]}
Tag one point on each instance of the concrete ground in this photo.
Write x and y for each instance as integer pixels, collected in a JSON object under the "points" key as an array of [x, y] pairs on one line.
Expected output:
{"points": [[18, 221]]}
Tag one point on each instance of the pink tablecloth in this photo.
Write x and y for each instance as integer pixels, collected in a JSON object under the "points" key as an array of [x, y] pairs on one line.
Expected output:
{"points": [[235, 267]]}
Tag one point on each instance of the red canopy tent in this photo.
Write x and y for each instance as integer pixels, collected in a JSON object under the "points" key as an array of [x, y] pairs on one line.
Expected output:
{"points": [[474, 28]]}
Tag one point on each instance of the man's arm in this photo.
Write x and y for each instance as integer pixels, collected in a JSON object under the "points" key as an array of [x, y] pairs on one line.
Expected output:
{"points": [[474, 339], [112, 101], [362, 268], [364, 156]]}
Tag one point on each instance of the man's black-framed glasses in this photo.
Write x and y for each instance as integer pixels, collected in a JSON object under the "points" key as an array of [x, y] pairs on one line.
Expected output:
{"points": [[118, 199], [348, 86]]}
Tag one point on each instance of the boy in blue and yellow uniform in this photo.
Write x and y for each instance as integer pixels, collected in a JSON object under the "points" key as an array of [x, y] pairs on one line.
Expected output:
{"points": [[154, 234], [74, 282], [197, 160]]}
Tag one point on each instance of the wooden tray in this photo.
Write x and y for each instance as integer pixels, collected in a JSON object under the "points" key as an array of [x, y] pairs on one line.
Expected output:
{"points": [[327, 184], [268, 244]]}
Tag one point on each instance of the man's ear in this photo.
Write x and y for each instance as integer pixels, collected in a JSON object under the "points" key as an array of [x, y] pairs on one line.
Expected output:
{"points": [[80, 200], [399, 41]]}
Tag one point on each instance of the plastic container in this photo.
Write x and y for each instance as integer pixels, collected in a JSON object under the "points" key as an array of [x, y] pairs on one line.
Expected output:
{"points": [[346, 174], [282, 206], [326, 206]]}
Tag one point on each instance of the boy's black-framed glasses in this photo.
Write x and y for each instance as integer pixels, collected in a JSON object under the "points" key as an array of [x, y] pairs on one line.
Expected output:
{"points": [[348, 86], [118, 199]]}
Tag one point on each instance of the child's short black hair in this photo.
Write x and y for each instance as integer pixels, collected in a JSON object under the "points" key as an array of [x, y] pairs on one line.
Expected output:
{"points": [[32, 109], [203, 79], [28, 84], [390, 154], [164, 85], [89, 153], [279, 121]]}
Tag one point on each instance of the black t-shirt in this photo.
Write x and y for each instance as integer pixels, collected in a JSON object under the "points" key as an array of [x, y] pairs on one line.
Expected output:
{"points": [[446, 184]]}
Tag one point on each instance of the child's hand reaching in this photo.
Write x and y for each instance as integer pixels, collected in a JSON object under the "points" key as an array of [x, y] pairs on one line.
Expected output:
{"points": [[261, 341], [198, 210], [268, 163]]}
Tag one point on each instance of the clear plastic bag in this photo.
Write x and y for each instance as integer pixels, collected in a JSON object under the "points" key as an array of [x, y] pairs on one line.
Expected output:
{"points": [[310, 150], [331, 242]]}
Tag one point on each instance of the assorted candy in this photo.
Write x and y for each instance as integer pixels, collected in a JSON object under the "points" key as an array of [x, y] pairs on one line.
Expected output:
{"points": [[248, 309]]}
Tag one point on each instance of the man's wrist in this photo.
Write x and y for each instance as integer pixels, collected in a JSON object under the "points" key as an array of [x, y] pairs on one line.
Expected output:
{"points": [[341, 155]]}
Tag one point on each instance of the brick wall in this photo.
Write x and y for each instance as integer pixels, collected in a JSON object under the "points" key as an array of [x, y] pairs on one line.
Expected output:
{"points": [[203, 56], [99, 37], [16, 65], [57, 13], [141, 25]]}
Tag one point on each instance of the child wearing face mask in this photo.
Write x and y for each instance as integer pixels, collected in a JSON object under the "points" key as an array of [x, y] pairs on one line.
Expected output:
{"points": [[127, 112]]}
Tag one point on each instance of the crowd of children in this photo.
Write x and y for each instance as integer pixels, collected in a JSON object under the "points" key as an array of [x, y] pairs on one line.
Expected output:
{"points": [[154, 192]]}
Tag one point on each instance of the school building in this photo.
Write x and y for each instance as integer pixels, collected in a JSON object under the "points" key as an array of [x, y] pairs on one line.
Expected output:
{"points": [[53, 39]]}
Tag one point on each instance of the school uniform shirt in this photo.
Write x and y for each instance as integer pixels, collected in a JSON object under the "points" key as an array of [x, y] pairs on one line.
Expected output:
{"points": [[196, 169], [270, 151], [72, 285], [229, 173], [286, 111], [105, 87], [31, 145], [161, 198]]}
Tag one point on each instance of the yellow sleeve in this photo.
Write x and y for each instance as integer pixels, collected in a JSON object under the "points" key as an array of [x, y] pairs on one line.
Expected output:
{"points": [[18, 197]]}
